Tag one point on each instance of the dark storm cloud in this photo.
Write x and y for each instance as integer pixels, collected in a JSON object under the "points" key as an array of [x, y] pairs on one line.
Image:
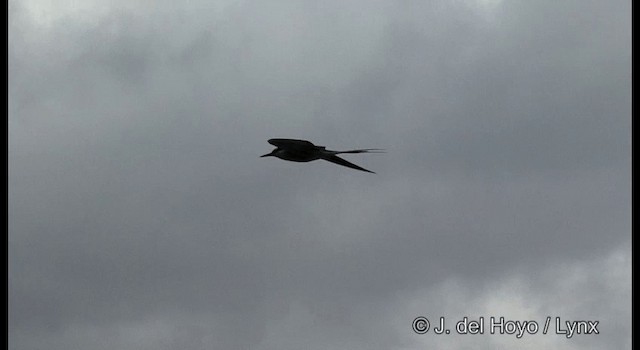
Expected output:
{"points": [[141, 215]]}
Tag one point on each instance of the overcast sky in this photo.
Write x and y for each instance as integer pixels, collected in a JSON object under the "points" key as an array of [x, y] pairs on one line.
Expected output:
{"points": [[141, 216]]}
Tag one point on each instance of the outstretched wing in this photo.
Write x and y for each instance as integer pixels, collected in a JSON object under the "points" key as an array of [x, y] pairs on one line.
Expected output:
{"points": [[291, 143], [295, 145], [337, 160]]}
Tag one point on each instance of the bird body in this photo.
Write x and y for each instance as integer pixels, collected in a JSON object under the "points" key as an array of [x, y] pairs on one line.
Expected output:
{"points": [[305, 151]]}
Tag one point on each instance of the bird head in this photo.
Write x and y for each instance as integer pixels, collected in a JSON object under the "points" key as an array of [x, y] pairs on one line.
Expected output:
{"points": [[272, 154]]}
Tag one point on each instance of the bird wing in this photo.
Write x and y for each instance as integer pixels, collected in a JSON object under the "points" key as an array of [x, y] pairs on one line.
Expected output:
{"points": [[337, 160], [291, 143]]}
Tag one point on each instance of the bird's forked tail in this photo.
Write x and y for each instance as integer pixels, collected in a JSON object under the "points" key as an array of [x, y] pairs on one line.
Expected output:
{"points": [[365, 150]]}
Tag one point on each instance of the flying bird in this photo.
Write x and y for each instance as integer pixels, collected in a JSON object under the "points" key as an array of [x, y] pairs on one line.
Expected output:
{"points": [[305, 151]]}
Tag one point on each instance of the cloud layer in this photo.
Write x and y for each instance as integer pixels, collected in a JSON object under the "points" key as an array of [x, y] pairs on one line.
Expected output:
{"points": [[140, 215]]}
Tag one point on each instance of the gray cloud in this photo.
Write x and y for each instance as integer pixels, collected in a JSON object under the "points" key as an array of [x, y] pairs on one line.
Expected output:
{"points": [[140, 215]]}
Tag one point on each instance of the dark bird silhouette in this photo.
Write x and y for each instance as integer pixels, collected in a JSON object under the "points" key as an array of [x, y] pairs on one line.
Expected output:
{"points": [[305, 151]]}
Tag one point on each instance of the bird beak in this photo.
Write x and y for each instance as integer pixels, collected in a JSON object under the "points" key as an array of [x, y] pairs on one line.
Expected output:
{"points": [[266, 155]]}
